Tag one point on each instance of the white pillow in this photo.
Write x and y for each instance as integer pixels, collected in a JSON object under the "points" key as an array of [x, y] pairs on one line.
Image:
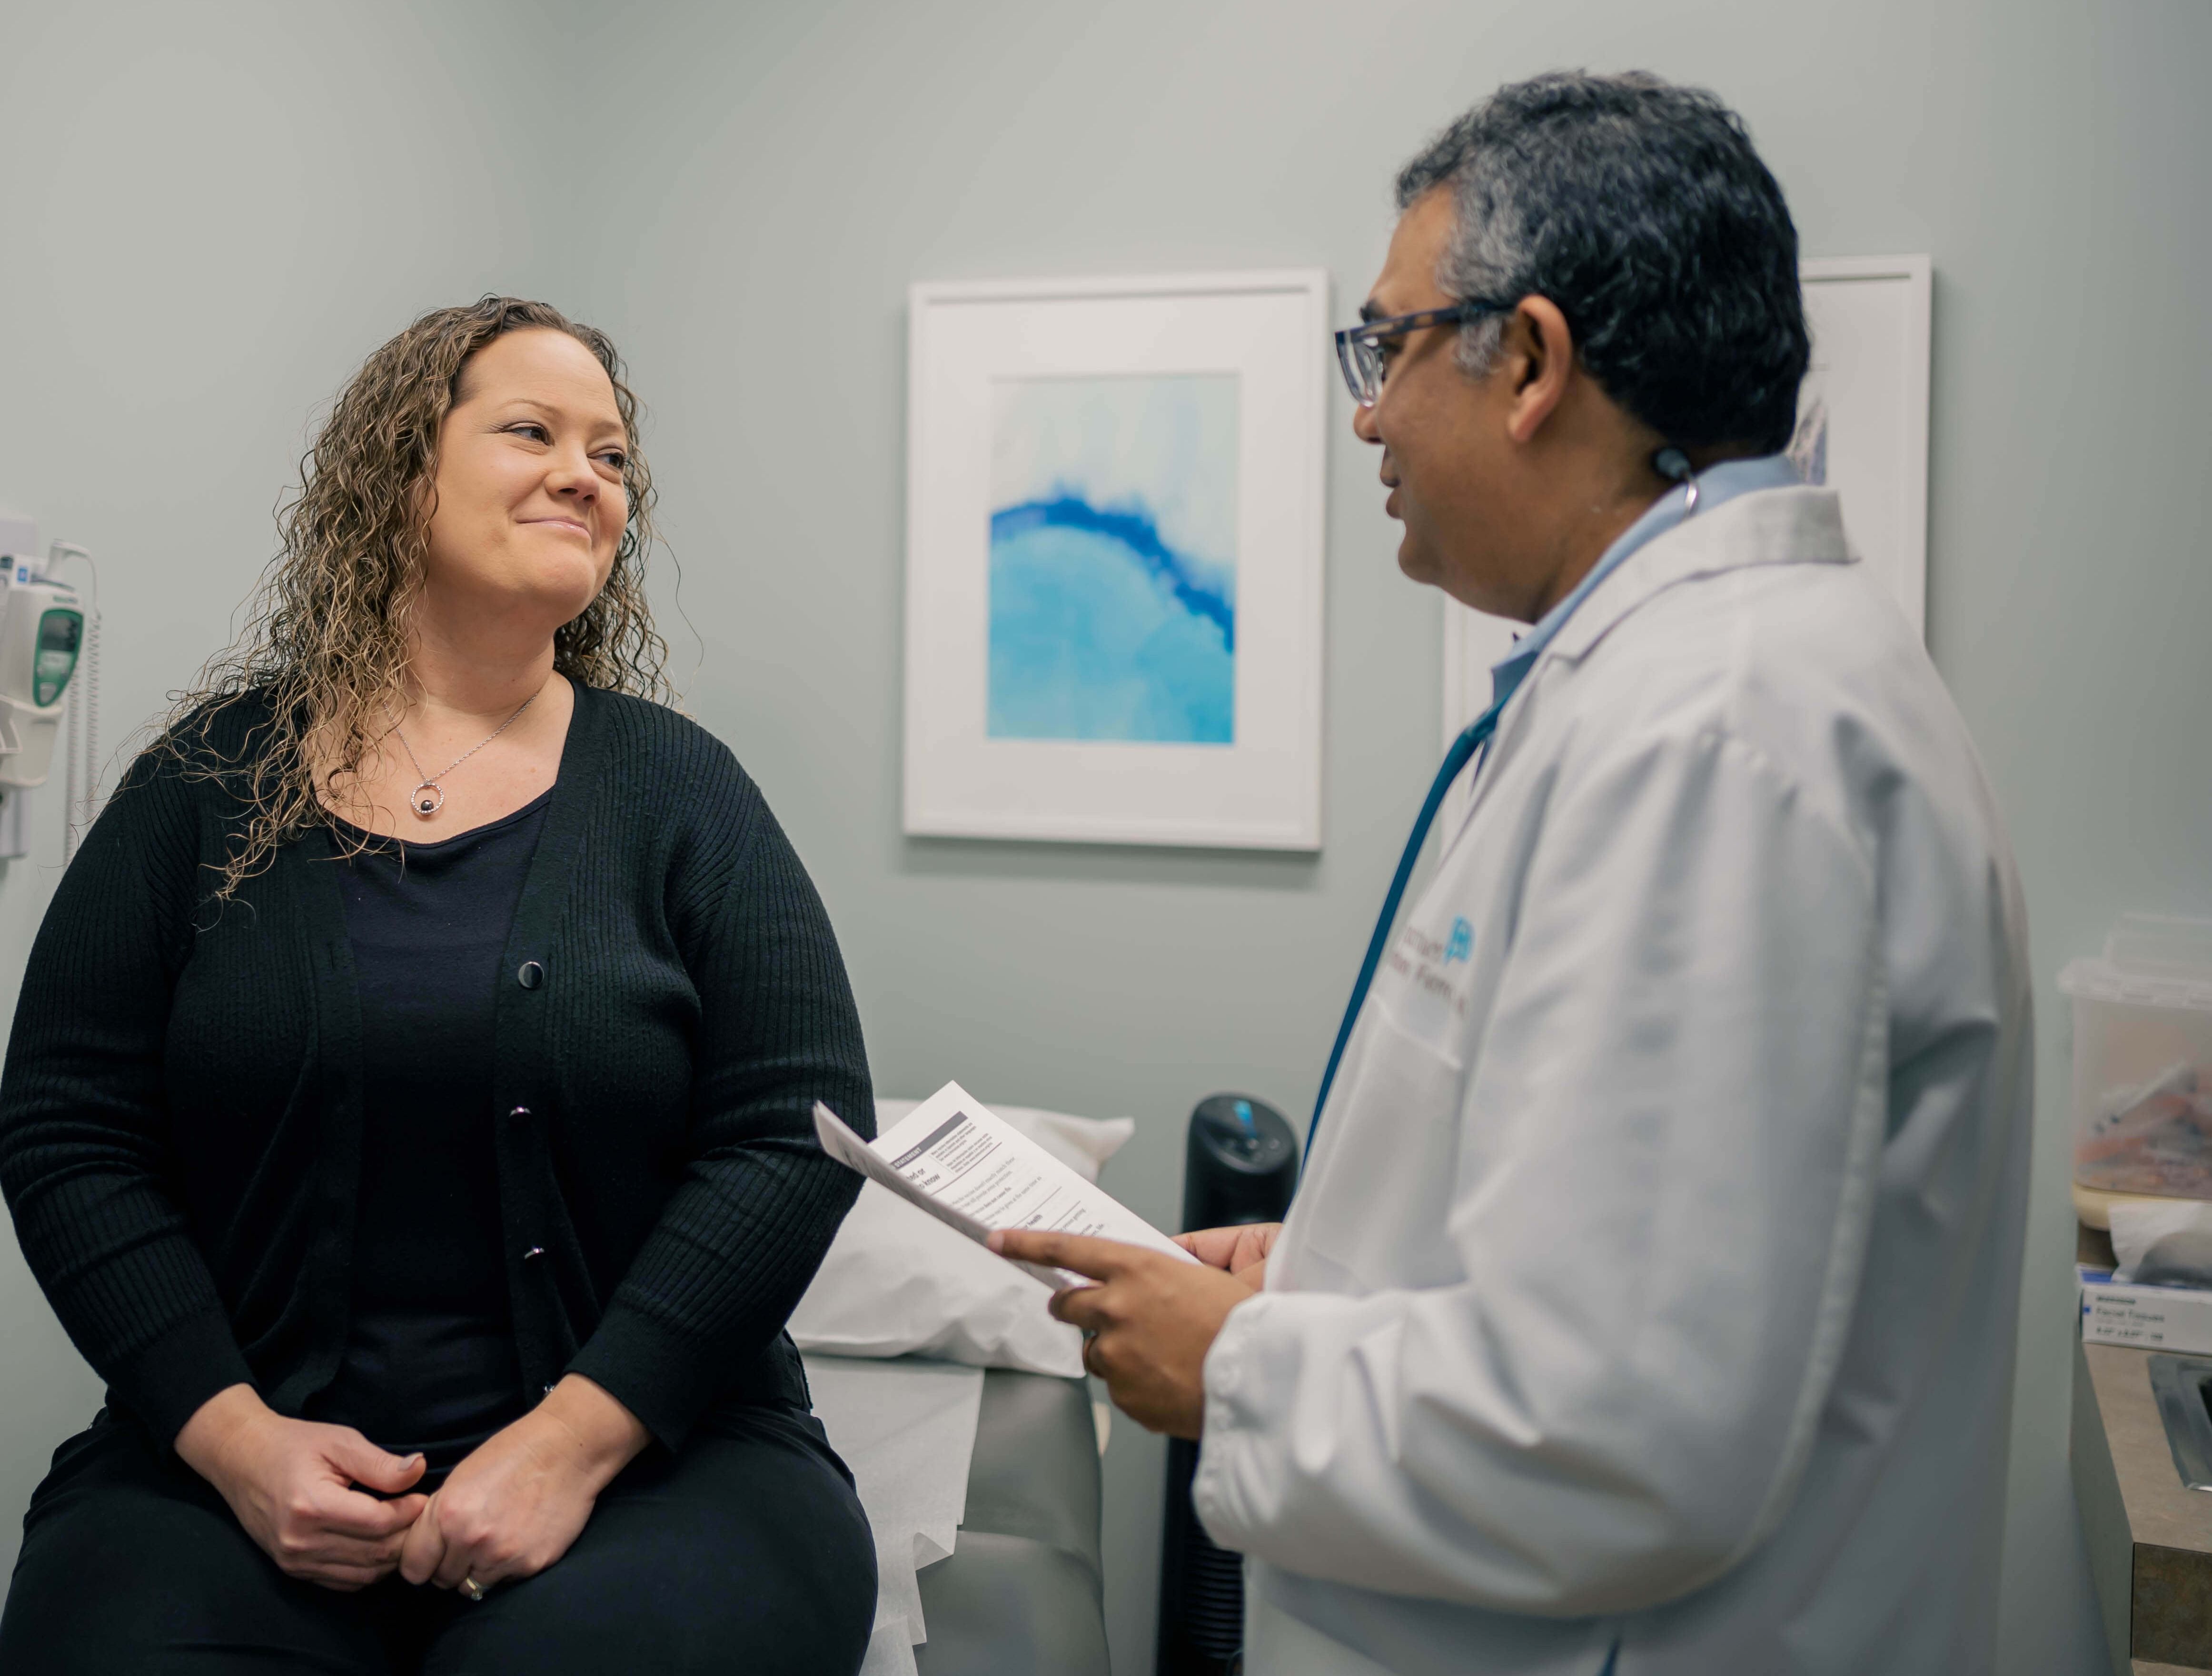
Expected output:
{"points": [[897, 1282]]}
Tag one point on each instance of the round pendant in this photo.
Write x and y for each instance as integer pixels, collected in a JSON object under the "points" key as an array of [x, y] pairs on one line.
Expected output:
{"points": [[427, 800]]}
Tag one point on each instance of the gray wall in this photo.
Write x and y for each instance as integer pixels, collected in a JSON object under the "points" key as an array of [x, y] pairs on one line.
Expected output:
{"points": [[768, 181]]}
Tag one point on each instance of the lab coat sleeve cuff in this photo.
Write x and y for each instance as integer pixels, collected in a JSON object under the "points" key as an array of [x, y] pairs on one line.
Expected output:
{"points": [[1236, 1412]]}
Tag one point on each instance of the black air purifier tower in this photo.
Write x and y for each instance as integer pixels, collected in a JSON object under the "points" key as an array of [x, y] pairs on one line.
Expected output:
{"points": [[1240, 1166]]}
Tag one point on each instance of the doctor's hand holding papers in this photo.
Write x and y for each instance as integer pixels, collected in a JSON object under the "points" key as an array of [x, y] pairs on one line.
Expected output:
{"points": [[1148, 1306], [1647, 1303], [1147, 1322]]}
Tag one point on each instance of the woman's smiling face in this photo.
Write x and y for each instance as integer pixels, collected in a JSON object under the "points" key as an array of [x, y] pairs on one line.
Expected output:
{"points": [[529, 502]]}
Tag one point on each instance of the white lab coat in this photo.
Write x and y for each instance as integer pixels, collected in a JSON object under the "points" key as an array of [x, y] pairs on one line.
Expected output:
{"points": [[1654, 1274]]}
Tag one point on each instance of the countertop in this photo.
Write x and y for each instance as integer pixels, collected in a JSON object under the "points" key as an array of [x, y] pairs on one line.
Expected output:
{"points": [[2149, 1537]]}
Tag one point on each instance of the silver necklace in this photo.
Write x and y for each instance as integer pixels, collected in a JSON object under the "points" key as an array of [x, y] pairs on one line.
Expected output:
{"points": [[428, 798]]}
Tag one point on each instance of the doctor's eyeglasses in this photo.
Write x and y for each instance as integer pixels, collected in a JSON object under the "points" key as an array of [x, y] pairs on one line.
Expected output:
{"points": [[1359, 348]]}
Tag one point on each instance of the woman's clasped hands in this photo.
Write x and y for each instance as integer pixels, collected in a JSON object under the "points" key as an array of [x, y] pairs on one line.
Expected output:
{"points": [[512, 1508], [291, 1484], [517, 1500]]}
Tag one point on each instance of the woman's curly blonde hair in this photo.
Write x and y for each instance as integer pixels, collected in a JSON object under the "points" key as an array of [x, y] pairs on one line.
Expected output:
{"points": [[324, 653]]}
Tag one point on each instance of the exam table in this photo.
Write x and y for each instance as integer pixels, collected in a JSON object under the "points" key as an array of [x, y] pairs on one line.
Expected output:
{"points": [[979, 1475], [1024, 1593], [981, 1489]]}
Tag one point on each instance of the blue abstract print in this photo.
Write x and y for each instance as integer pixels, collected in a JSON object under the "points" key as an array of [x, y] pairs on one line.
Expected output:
{"points": [[1113, 586]]}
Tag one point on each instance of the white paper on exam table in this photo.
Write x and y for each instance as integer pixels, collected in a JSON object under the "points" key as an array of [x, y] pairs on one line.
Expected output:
{"points": [[907, 1429], [957, 1160]]}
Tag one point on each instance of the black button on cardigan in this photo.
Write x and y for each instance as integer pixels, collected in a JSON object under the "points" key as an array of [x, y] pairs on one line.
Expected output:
{"points": [[180, 1111]]}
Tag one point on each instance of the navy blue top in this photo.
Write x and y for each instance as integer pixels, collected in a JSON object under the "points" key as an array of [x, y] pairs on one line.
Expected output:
{"points": [[429, 1361]]}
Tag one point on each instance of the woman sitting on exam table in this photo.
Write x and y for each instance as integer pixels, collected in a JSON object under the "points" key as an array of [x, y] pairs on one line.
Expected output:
{"points": [[408, 1107]]}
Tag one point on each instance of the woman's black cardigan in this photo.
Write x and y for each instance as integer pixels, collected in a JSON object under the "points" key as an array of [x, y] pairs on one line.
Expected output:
{"points": [[180, 1116]]}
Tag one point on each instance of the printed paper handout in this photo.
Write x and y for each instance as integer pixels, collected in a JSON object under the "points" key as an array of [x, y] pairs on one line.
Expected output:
{"points": [[953, 1157]]}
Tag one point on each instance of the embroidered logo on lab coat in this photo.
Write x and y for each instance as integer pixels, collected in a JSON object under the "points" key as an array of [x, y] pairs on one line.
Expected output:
{"points": [[1436, 975], [1461, 945]]}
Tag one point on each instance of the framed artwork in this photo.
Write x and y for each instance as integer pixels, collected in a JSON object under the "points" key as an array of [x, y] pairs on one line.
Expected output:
{"points": [[1862, 428], [1863, 412], [1114, 560]]}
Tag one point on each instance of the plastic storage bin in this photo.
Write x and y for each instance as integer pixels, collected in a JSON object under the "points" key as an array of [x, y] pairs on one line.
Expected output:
{"points": [[2142, 1061]]}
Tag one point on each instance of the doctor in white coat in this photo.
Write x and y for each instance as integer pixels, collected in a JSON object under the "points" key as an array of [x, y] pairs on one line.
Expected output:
{"points": [[1648, 1303]]}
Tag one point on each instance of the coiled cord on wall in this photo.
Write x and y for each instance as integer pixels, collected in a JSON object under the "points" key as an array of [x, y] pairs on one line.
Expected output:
{"points": [[80, 767]]}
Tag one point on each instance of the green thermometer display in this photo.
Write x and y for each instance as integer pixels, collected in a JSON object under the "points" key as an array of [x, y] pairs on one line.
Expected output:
{"points": [[60, 633]]}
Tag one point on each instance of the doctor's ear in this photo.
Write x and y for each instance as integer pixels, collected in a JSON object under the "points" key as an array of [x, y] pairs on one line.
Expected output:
{"points": [[1536, 355]]}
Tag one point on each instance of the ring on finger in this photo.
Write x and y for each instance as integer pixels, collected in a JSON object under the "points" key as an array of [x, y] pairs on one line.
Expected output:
{"points": [[472, 1589]]}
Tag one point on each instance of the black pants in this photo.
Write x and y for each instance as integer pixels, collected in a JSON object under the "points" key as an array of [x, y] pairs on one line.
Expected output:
{"points": [[747, 1552]]}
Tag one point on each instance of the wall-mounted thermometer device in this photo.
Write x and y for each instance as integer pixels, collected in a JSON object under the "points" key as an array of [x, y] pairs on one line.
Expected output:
{"points": [[49, 668], [42, 627]]}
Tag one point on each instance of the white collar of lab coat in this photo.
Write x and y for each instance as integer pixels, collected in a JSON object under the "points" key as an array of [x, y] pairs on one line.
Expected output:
{"points": [[1802, 526]]}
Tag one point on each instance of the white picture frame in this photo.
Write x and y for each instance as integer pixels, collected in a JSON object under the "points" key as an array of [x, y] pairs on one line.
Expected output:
{"points": [[1870, 318], [975, 347]]}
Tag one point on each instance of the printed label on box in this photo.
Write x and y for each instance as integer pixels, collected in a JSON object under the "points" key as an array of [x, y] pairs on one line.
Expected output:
{"points": [[2168, 1318]]}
